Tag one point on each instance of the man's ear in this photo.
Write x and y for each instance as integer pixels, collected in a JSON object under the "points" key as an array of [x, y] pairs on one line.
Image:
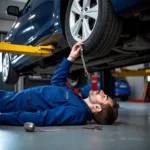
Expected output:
{"points": [[97, 108]]}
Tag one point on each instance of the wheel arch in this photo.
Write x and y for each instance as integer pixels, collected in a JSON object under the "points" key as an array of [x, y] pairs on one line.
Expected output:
{"points": [[8, 54], [63, 9]]}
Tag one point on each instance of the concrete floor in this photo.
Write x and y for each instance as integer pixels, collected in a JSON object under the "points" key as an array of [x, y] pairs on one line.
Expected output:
{"points": [[131, 132]]}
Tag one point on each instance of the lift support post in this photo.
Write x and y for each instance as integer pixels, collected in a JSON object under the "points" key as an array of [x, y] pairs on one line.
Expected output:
{"points": [[107, 83], [27, 50]]}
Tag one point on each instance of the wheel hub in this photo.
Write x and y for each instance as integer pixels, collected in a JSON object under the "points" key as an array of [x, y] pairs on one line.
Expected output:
{"points": [[82, 14], [83, 18]]}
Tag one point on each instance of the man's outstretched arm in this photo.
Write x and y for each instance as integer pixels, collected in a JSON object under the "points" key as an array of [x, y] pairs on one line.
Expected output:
{"points": [[60, 76]]}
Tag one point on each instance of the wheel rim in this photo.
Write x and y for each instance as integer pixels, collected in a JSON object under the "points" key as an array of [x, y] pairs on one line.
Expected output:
{"points": [[5, 67], [83, 18]]}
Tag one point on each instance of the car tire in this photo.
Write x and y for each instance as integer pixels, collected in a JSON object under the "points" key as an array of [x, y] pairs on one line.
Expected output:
{"points": [[9, 74], [105, 32], [77, 79]]}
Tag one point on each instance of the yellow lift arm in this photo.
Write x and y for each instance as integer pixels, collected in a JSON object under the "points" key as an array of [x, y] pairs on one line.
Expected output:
{"points": [[127, 72], [48, 51], [27, 50]]}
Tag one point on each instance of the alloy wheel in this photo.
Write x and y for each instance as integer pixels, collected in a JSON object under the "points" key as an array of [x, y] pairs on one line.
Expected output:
{"points": [[83, 18]]}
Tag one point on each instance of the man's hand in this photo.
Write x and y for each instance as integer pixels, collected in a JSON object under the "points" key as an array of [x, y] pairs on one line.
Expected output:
{"points": [[75, 52]]}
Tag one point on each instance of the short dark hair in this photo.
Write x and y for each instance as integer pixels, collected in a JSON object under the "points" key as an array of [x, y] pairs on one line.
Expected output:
{"points": [[108, 115]]}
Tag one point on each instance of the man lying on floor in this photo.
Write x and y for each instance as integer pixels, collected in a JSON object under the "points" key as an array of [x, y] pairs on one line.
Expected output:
{"points": [[56, 104]]}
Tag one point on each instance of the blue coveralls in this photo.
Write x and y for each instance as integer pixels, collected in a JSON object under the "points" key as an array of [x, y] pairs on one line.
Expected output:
{"points": [[45, 105]]}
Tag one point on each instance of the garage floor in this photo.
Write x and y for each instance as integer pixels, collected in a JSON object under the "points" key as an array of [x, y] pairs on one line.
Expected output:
{"points": [[131, 131]]}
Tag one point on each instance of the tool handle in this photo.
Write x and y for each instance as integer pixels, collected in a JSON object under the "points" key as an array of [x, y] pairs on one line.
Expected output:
{"points": [[83, 62], [52, 130]]}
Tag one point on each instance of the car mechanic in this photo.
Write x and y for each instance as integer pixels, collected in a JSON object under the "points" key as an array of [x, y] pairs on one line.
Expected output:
{"points": [[57, 104]]}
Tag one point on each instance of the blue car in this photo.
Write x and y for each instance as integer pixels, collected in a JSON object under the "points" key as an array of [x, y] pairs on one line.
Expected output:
{"points": [[115, 33], [122, 89]]}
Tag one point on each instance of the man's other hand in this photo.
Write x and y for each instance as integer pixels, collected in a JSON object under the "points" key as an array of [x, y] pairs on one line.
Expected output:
{"points": [[75, 52]]}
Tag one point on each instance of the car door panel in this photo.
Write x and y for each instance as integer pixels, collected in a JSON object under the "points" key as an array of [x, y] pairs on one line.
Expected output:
{"points": [[42, 26], [22, 29], [44, 19]]}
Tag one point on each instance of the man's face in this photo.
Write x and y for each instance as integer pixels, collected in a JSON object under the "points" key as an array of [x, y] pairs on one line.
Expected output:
{"points": [[100, 97]]}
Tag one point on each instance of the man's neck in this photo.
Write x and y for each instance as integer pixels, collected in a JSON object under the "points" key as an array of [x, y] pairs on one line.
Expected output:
{"points": [[87, 101]]}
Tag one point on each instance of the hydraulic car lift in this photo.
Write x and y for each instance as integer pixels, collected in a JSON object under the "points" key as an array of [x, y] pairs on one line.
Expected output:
{"points": [[45, 51], [106, 76], [27, 50]]}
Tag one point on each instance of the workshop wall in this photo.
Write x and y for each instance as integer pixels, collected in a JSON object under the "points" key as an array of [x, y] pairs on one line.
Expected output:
{"points": [[136, 83], [5, 25]]}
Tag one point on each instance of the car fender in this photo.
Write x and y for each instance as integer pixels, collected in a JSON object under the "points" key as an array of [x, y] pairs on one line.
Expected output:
{"points": [[54, 28]]}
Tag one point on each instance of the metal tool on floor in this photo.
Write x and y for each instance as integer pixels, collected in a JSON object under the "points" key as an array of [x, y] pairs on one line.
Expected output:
{"points": [[94, 128], [30, 127]]}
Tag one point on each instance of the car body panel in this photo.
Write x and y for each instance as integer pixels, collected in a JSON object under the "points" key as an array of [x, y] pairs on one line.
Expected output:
{"points": [[122, 92], [18, 33], [41, 28], [45, 21], [122, 88]]}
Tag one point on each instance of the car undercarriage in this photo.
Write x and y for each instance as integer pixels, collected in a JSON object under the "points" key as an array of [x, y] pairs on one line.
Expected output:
{"points": [[133, 47]]}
